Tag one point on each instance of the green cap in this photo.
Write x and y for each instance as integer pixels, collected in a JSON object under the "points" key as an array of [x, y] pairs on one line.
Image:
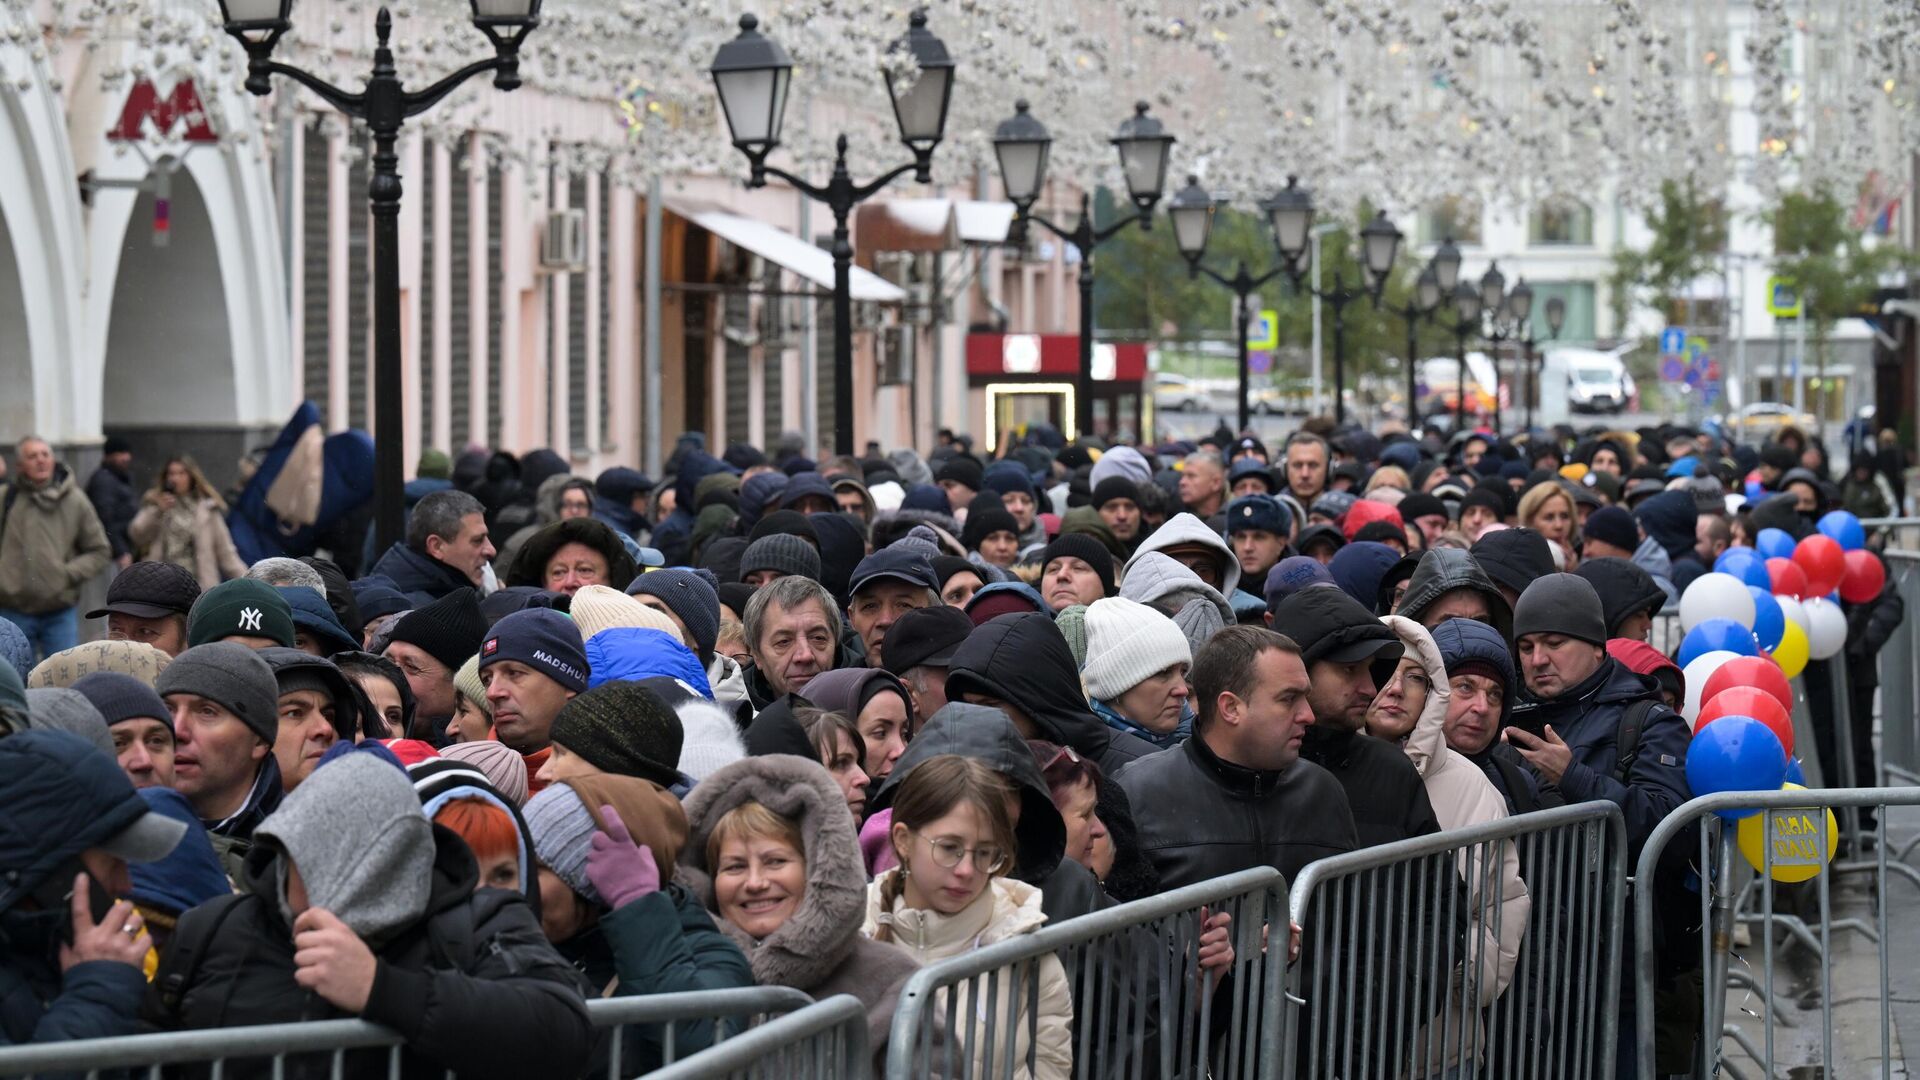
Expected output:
{"points": [[242, 607]]}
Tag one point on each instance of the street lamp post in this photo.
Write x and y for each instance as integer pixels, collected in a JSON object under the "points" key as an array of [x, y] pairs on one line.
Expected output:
{"points": [[1021, 144], [1556, 318], [1191, 211], [751, 73], [1425, 299], [384, 106], [1466, 305]]}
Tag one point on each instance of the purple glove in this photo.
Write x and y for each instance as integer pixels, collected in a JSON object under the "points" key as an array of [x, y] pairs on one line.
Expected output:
{"points": [[620, 869]]}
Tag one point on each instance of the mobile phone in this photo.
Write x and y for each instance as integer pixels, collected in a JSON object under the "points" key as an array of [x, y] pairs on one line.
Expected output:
{"points": [[55, 893]]}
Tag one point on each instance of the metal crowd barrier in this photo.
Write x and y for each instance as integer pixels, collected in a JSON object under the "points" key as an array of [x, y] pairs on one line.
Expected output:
{"points": [[1402, 973], [1794, 834], [279, 1048], [827, 1041], [1141, 1005]]}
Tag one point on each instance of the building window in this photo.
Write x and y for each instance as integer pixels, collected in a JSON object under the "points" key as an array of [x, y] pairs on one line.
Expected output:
{"points": [[1456, 218], [1560, 222], [1579, 327]]}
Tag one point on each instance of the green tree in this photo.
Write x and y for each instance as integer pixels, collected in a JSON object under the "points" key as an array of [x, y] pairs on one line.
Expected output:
{"points": [[1689, 235], [1825, 257]]}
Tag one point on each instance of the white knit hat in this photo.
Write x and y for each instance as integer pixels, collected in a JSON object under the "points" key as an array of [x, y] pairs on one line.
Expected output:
{"points": [[596, 608], [1126, 643]]}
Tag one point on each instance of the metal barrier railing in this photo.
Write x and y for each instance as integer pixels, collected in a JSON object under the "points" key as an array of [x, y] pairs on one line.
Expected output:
{"points": [[1793, 835], [826, 1041], [1141, 1005], [1408, 967], [274, 1047]]}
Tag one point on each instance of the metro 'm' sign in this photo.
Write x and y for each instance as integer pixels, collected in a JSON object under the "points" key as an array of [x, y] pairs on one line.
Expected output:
{"points": [[180, 105]]}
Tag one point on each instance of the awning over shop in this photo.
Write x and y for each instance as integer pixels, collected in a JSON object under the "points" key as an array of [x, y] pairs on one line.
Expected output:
{"points": [[931, 224], [782, 247]]}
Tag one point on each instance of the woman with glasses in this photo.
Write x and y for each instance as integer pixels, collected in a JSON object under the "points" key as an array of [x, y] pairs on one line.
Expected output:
{"points": [[953, 833], [771, 853]]}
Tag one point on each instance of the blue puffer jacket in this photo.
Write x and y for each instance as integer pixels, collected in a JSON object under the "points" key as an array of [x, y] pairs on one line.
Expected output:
{"points": [[63, 797]]}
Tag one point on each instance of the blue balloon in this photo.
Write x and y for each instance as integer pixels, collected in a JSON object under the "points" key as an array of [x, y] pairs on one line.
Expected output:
{"points": [[1755, 492], [1794, 773], [1709, 635], [1845, 529], [1746, 564], [1774, 544], [1735, 753], [1769, 622]]}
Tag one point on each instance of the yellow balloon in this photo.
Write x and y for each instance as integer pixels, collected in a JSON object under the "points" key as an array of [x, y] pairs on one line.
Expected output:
{"points": [[1796, 854], [1791, 653]]}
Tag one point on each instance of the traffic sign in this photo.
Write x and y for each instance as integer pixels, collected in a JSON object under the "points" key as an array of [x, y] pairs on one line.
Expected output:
{"points": [[1259, 361], [1671, 369], [1263, 332], [1783, 298], [1673, 341]]}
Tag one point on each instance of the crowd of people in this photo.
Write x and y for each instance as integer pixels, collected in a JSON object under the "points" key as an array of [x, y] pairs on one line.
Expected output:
{"points": [[772, 720]]}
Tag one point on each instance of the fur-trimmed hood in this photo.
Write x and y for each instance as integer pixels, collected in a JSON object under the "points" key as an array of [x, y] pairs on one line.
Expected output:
{"points": [[824, 929]]}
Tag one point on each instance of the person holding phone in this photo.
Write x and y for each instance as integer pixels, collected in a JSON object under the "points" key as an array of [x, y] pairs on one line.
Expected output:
{"points": [[70, 953]]}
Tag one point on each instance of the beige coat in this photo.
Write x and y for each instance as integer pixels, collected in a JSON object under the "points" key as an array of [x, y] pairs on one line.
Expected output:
{"points": [[1005, 909], [51, 542], [211, 555], [1462, 795]]}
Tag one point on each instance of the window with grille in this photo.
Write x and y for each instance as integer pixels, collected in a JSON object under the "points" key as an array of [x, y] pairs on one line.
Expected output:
{"points": [[359, 285], [430, 242], [577, 334], [1454, 217], [460, 301], [315, 310], [496, 210]]}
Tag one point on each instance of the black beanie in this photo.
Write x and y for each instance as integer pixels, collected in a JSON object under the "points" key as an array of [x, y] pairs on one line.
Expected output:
{"points": [[1485, 496], [1086, 548], [984, 521], [619, 727], [945, 566], [1115, 487], [450, 629], [788, 522], [1421, 504], [961, 470]]}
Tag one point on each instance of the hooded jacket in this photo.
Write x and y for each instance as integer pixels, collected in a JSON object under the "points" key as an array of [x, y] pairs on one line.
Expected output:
{"points": [[466, 976], [819, 949], [846, 690], [1461, 796], [1653, 558], [1460, 640], [1443, 570], [674, 535], [1182, 529], [51, 543], [421, 577], [1587, 718], [1668, 519], [1157, 580], [1024, 661]]}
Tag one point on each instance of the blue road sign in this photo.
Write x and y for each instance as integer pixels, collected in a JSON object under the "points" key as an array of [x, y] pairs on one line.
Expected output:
{"points": [[1259, 361], [1671, 369], [1673, 341]]}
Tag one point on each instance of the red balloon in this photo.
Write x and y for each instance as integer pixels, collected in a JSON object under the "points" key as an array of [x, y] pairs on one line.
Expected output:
{"points": [[1754, 672], [1788, 578], [1863, 578], [1749, 701], [1823, 562]]}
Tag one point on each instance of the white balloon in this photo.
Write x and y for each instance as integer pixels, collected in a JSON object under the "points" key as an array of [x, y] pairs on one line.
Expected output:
{"points": [[1795, 611], [1716, 596], [1829, 632], [1696, 673]]}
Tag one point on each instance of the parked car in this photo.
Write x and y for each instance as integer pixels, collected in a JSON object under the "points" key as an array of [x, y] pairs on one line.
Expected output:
{"points": [[1763, 418], [1177, 392]]}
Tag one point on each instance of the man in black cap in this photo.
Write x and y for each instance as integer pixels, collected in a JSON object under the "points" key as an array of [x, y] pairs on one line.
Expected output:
{"points": [[429, 644], [110, 489], [919, 648], [225, 704], [1117, 500], [1610, 533], [886, 585], [1427, 513], [1629, 596], [148, 602], [1341, 642], [961, 477], [1514, 559], [318, 707], [1074, 569]]}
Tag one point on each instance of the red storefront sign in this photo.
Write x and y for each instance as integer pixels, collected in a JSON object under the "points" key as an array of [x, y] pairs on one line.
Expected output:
{"points": [[997, 356]]}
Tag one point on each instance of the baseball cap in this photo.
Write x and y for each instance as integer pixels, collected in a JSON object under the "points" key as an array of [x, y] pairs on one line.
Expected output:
{"points": [[150, 590], [926, 637], [1330, 625], [900, 564]]}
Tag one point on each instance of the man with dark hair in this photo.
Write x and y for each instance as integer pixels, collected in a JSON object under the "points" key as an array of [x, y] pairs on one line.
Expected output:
{"points": [[1236, 794], [1307, 458], [792, 627], [446, 548]]}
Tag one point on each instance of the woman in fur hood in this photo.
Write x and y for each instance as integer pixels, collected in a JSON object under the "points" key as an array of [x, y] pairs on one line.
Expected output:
{"points": [[771, 852]]}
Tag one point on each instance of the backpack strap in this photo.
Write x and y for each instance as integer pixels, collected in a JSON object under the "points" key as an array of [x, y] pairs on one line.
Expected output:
{"points": [[1626, 739], [191, 940]]}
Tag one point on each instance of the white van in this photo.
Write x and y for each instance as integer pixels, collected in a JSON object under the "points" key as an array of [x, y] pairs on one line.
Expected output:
{"points": [[1584, 381]]}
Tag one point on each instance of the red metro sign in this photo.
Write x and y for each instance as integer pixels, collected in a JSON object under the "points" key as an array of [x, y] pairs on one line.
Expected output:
{"points": [[181, 105]]}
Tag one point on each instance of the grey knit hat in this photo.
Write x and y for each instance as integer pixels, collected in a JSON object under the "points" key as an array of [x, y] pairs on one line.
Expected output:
{"points": [[562, 833], [783, 553], [122, 697], [233, 677], [61, 709], [691, 596], [1561, 604]]}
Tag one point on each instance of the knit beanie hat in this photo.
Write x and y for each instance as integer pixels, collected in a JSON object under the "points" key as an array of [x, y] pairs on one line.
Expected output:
{"points": [[1072, 623], [1366, 512], [542, 639], [229, 675], [450, 629], [56, 708], [784, 554], [503, 766], [15, 650], [926, 497], [689, 595], [1008, 477], [597, 607], [1419, 504], [467, 681], [563, 818], [619, 727], [1087, 549], [1612, 525], [1488, 497], [242, 606], [945, 566], [68, 666], [1115, 487], [122, 697], [1126, 643], [1561, 604], [985, 520], [787, 522], [961, 469]]}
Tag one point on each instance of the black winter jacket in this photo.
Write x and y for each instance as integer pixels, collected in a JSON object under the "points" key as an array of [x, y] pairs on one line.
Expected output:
{"points": [[1384, 789], [420, 576], [114, 499], [1024, 661], [473, 985], [1869, 627]]}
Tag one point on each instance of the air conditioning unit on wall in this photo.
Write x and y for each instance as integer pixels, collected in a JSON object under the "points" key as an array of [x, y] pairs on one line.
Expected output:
{"points": [[563, 249]]}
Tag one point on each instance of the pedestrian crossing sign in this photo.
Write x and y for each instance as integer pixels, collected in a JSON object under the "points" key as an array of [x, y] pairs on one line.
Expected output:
{"points": [[1263, 332]]}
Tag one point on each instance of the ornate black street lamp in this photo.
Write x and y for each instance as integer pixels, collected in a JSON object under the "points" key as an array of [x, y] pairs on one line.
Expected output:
{"points": [[1556, 318], [1466, 305], [384, 106], [1191, 211]]}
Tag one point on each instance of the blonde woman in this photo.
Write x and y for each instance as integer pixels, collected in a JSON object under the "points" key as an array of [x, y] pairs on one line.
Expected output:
{"points": [[182, 520], [1547, 508]]}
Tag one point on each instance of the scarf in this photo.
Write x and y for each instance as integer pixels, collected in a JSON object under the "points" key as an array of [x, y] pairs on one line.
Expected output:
{"points": [[1180, 733]]}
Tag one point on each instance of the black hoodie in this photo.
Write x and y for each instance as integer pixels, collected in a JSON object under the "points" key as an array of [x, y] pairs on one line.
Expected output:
{"points": [[1023, 660]]}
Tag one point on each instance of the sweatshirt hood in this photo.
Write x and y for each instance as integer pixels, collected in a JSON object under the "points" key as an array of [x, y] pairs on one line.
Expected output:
{"points": [[847, 690], [1426, 745], [1443, 570], [1024, 661], [1183, 528], [1162, 583], [364, 849], [987, 736], [823, 929]]}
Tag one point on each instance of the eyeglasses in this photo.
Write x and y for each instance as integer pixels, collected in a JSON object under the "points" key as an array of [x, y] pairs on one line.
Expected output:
{"points": [[947, 853]]}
